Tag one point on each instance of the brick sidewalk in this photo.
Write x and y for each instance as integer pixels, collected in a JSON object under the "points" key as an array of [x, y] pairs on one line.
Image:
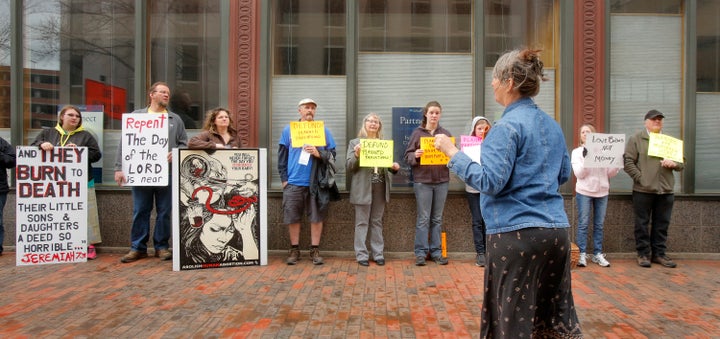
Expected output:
{"points": [[104, 298]]}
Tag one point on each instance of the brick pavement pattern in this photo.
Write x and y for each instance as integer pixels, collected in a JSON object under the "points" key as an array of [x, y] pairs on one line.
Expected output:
{"points": [[104, 298]]}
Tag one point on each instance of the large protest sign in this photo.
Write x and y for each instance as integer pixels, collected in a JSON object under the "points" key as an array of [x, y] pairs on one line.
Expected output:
{"points": [[431, 155], [404, 121], [145, 148], [604, 150], [220, 209], [376, 153], [666, 147], [307, 133], [51, 206]]}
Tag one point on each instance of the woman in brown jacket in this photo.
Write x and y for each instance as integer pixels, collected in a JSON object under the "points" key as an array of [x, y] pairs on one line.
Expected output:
{"points": [[218, 132]]}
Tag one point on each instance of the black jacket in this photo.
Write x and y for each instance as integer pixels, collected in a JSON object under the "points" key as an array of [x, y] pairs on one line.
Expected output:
{"points": [[7, 160]]}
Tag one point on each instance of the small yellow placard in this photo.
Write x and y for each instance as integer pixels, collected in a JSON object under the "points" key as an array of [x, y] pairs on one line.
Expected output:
{"points": [[376, 153], [307, 133], [666, 147], [432, 156]]}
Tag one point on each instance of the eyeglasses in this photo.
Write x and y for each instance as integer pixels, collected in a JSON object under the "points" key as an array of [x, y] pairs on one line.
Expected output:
{"points": [[373, 122]]}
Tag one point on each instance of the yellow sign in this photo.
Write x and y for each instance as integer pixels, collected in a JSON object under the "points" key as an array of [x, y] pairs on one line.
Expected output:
{"points": [[666, 147], [376, 153], [432, 156], [307, 133]]}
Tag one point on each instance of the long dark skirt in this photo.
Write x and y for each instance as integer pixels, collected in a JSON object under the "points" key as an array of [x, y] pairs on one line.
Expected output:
{"points": [[528, 290]]}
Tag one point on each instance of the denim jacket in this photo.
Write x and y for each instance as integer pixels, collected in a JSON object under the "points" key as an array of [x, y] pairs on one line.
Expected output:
{"points": [[524, 161]]}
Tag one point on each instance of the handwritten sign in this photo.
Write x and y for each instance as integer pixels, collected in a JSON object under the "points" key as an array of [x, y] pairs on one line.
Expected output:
{"points": [[51, 205], [307, 133], [470, 145], [145, 149], [432, 156], [666, 147], [604, 150], [376, 153]]}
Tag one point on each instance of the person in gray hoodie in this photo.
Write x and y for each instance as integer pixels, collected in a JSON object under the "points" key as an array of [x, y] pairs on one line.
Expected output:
{"points": [[479, 127]]}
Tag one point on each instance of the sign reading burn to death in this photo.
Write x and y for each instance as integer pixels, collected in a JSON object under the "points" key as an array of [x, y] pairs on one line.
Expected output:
{"points": [[144, 149], [51, 207], [218, 216]]}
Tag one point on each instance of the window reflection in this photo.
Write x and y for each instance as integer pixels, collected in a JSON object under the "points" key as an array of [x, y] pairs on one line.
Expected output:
{"points": [[437, 26], [185, 53], [309, 37], [511, 24], [79, 53]]}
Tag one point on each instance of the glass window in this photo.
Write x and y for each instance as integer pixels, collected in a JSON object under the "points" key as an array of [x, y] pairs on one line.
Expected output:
{"points": [[639, 83], [511, 24], [644, 6], [412, 52], [440, 26], [707, 158], [308, 39], [185, 53], [317, 26], [79, 53]]}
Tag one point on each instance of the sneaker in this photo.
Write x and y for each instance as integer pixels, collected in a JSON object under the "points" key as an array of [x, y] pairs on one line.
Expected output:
{"points": [[420, 261], [664, 260], [480, 260], [643, 261], [380, 262], [315, 255], [293, 257], [364, 263], [133, 256], [91, 254], [600, 260], [582, 262], [163, 254], [440, 260]]}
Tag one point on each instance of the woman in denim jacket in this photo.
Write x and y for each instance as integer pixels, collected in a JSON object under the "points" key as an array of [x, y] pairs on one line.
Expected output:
{"points": [[524, 160]]}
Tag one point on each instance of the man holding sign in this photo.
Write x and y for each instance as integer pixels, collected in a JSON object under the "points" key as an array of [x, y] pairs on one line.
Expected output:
{"points": [[295, 165], [144, 196], [653, 182]]}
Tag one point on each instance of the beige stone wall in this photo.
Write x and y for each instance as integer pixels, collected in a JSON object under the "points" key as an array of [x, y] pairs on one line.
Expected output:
{"points": [[695, 224]]}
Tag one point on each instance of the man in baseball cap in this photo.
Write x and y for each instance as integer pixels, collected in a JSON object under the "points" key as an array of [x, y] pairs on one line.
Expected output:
{"points": [[652, 193], [307, 101], [296, 176]]}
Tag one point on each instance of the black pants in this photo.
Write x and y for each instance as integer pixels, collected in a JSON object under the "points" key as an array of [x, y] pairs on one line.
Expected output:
{"points": [[652, 220]]}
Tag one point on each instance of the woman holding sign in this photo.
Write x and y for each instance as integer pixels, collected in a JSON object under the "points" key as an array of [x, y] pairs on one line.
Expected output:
{"points": [[218, 132], [591, 191], [69, 132], [369, 192], [430, 183], [479, 128], [528, 290]]}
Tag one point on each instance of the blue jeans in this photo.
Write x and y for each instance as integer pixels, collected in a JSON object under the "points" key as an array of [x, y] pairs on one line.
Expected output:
{"points": [[143, 199], [430, 199], [599, 206], [478, 224], [655, 207], [3, 199]]}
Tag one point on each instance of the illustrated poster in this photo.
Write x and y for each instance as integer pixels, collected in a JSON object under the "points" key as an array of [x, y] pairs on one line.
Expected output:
{"points": [[221, 200]]}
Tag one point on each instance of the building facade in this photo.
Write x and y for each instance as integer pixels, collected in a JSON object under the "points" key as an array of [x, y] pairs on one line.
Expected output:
{"points": [[608, 62]]}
